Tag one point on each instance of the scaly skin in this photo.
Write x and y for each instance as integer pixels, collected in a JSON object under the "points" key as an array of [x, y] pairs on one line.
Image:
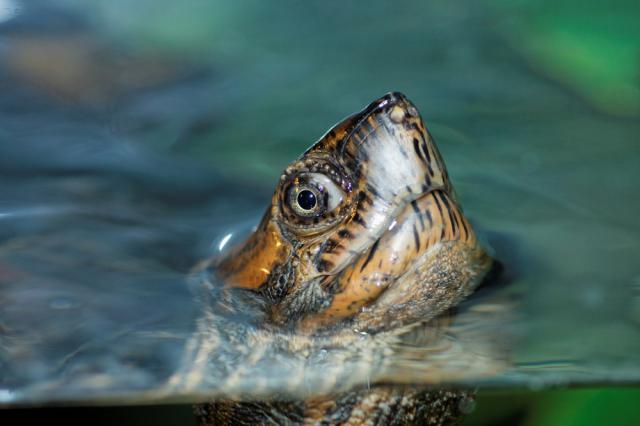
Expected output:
{"points": [[382, 244]]}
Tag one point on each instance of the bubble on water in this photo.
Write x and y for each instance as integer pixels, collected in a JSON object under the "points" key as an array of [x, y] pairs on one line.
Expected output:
{"points": [[224, 242]]}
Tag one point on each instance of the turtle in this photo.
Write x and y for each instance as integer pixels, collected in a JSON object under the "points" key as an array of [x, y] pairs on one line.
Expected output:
{"points": [[346, 304], [364, 236]]}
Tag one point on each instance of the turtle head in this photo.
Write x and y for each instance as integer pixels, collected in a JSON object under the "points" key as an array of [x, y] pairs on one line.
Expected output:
{"points": [[362, 229]]}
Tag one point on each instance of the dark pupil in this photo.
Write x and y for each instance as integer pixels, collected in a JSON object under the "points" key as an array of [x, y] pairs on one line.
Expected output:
{"points": [[306, 199]]}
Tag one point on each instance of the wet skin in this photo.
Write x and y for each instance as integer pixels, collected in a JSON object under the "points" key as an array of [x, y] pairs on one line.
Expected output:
{"points": [[364, 232]]}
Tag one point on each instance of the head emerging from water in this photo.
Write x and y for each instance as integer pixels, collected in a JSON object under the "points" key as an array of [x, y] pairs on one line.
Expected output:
{"points": [[363, 229]]}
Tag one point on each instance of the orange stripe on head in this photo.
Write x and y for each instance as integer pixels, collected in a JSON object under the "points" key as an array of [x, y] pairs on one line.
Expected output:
{"points": [[249, 265]]}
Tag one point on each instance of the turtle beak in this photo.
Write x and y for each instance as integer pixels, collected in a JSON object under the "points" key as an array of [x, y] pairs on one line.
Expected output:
{"points": [[390, 149]]}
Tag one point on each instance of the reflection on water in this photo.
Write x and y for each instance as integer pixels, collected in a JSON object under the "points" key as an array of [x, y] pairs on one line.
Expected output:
{"points": [[108, 199]]}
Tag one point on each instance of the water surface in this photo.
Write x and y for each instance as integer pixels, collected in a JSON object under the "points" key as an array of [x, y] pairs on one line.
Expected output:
{"points": [[129, 150]]}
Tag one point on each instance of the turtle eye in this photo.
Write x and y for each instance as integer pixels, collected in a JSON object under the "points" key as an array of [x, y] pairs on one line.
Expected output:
{"points": [[313, 194], [306, 200]]}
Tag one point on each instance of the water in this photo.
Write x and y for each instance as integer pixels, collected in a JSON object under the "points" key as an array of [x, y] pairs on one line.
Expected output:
{"points": [[131, 148]]}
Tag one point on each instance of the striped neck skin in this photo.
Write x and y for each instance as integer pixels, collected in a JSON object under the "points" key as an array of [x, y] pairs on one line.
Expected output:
{"points": [[363, 229]]}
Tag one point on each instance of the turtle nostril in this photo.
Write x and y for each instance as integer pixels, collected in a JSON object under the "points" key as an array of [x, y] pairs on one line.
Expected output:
{"points": [[397, 114]]}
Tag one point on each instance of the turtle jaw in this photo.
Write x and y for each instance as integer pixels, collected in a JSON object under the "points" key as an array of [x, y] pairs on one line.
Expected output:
{"points": [[436, 261], [427, 260]]}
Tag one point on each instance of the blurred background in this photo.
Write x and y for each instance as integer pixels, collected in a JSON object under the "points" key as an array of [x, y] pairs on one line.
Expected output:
{"points": [[170, 106]]}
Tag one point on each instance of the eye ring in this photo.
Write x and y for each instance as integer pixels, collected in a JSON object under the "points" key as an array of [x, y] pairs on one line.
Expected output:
{"points": [[307, 200]]}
